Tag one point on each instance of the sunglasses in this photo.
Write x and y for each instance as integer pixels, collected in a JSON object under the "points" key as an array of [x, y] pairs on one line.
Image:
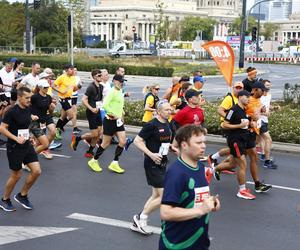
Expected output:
{"points": [[238, 87], [157, 88], [97, 75]]}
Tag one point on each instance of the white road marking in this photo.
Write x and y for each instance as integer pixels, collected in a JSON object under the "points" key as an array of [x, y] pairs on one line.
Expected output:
{"points": [[280, 187], [10, 234], [57, 155], [107, 221]]}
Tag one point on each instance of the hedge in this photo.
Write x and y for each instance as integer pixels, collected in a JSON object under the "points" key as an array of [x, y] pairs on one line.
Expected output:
{"points": [[284, 126], [58, 63]]}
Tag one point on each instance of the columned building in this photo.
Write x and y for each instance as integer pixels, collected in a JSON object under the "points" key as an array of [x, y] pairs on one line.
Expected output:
{"points": [[118, 20]]}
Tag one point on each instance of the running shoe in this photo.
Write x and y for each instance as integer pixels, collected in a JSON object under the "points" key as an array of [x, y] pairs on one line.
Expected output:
{"points": [[77, 130], [58, 134], [208, 174], [211, 161], [55, 145], [24, 167], [6, 205], [23, 200], [87, 141], [245, 194], [94, 165], [217, 175], [75, 141], [258, 150], [261, 157], [270, 165], [128, 143], [140, 226], [89, 154], [46, 153], [262, 188], [115, 167]]}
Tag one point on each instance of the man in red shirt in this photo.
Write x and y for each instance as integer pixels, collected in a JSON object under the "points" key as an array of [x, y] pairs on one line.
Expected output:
{"points": [[192, 113]]}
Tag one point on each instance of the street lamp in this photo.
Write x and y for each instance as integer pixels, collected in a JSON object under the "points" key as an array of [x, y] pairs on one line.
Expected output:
{"points": [[244, 26]]}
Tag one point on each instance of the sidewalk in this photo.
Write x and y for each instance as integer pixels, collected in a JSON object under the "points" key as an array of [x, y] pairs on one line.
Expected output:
{"points": [[213, 139]]}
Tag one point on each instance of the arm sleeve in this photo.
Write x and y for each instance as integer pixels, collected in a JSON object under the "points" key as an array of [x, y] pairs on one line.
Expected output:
{"points": [[147, 131], [7, 118], [89, 91], [226, 103], [178, 118], [57, 82]]}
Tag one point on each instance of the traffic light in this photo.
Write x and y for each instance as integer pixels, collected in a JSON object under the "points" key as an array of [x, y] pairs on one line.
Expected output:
{"points": [[254, 34], [36, 4]]}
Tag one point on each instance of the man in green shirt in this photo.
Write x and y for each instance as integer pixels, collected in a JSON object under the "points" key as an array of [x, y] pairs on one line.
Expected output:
{"points": [[112, 124]]}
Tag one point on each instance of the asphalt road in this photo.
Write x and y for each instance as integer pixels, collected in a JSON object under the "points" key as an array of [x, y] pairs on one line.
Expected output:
{"points": [[73, 206], [215, 87]]}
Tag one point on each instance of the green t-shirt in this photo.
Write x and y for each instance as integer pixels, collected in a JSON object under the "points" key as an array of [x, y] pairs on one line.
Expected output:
{"points": [[114, 103]]}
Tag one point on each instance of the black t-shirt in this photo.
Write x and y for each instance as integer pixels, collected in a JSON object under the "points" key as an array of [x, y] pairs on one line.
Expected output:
{"points": [[94, 94], [235, 116], [154, 134], [17, 118], [248, 84], [40, 105]]}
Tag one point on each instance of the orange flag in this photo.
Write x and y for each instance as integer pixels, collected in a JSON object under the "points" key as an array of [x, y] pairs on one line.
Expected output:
{"points": [[223, 55]]}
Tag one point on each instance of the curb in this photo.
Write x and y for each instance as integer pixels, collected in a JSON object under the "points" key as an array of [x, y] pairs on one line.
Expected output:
{"points": [[214, 139]]}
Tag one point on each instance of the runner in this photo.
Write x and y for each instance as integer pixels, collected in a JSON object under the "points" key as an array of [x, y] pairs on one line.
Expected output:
{"points": [[112, 124], [15, 126], [186, 201], [92, 100], [150, 100], [7, 77], [251, 78], [237, 123], [78, 81], [198, 82], [179, 102], [42, 107], [154, 141], [32, 79], [172, 90], [65, 85], [18, 69]]}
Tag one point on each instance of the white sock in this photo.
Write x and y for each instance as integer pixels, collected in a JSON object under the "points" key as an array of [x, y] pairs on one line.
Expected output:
{"points": [[216, 156], [143, 216], [242, 187], [114, 162]]}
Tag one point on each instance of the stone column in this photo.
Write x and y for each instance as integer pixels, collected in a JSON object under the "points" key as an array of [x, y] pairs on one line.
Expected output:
{"points": [[116, 31], [122, 31], [143, 32], [147, 31], [110, 30]]}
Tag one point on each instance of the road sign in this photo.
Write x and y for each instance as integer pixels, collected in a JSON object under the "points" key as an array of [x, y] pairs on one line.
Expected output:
{"points": [[133, 28]]}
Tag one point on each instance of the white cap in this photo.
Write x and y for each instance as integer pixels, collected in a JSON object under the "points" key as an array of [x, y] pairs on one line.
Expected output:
{"points": [[43, 75], [43, 83]]}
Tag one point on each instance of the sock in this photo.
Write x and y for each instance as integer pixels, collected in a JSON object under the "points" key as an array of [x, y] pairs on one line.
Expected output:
{"points": [[64, 122], [59, 123], [118, 152], [99, 152], [91, 149], [143, 216], [216, 156], [242, 187], [257, 183]]}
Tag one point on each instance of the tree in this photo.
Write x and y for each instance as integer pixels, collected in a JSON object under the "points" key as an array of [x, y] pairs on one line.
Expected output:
{"points": [[162, 22], [190, 25], [268, 30], [235, 27]]}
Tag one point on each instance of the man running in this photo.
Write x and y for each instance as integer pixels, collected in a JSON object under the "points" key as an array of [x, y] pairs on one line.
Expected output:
{"points": [[15, 126], [112, 124], [92, 100], [31, 80], [154, 141], [186, 201], [251, 78]]}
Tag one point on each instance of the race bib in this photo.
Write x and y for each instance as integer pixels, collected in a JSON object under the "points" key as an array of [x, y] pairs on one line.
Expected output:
{"points": [[200, 194], [164, 148], [119, 122], [99, 105], [24, 133]]}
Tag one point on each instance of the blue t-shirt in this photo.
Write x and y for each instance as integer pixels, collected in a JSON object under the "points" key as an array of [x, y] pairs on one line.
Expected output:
{"points": [[185, 186]]}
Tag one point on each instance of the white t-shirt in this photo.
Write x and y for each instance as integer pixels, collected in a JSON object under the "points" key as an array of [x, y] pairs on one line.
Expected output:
{"points": [[78, 82], [106, 88], [30, 81], [8, 78], [265, 101]]}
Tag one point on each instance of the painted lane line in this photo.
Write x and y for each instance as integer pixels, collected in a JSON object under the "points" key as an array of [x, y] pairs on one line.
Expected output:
{"points": [[108, 221], [280, 187], [57, 155], [10, 234]]}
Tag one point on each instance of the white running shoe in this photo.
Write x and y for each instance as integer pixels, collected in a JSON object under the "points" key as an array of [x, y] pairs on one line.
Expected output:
{"points": [[140, 226]]}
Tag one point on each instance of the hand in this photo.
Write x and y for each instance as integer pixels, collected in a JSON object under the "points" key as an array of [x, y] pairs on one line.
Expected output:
{"points": [[54, 100], [263, 109], [156, 157], [34, 117], [21, 140], [208, 204], [216, 203], [244, 123], [95, 110]]}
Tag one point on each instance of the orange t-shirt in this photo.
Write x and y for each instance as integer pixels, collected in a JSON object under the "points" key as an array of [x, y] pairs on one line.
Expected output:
{"points": [[253, 109]]}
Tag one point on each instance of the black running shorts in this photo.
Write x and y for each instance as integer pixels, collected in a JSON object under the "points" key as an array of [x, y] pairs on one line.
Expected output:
{"points": [[94, 120], [17, 155], [66, 103], [264, 128], [110, 127], [74, 100], [155, 174]]}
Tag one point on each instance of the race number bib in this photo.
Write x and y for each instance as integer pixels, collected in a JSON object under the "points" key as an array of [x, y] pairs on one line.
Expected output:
{"points": [[200, 194], [24, 133], [119, 122], [164, 148], [99, 105]]}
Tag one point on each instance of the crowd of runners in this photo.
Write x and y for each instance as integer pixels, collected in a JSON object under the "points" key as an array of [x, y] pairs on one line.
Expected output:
{"points": [[174, 124]]}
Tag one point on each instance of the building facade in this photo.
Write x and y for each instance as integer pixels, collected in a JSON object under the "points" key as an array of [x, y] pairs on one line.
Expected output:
{"points": [[118, 20]]}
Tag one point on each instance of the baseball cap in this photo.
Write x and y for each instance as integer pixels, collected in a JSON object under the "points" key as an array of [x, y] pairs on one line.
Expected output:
{"points": [[244, 92], [119, 78], [198, 79], [43, 75], [258, 85], [238, 84], [43, 83], [192, 92], [69, 66], [11, 60]]}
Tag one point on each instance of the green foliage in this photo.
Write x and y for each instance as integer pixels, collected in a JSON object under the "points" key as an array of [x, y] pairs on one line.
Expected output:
{"points": [[235, 27], [291, 94], [190, 25], [162, 22], [268, 30]]}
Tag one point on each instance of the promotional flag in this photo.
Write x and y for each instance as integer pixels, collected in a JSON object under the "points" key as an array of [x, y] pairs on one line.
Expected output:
{"points": [[223, 55]]}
